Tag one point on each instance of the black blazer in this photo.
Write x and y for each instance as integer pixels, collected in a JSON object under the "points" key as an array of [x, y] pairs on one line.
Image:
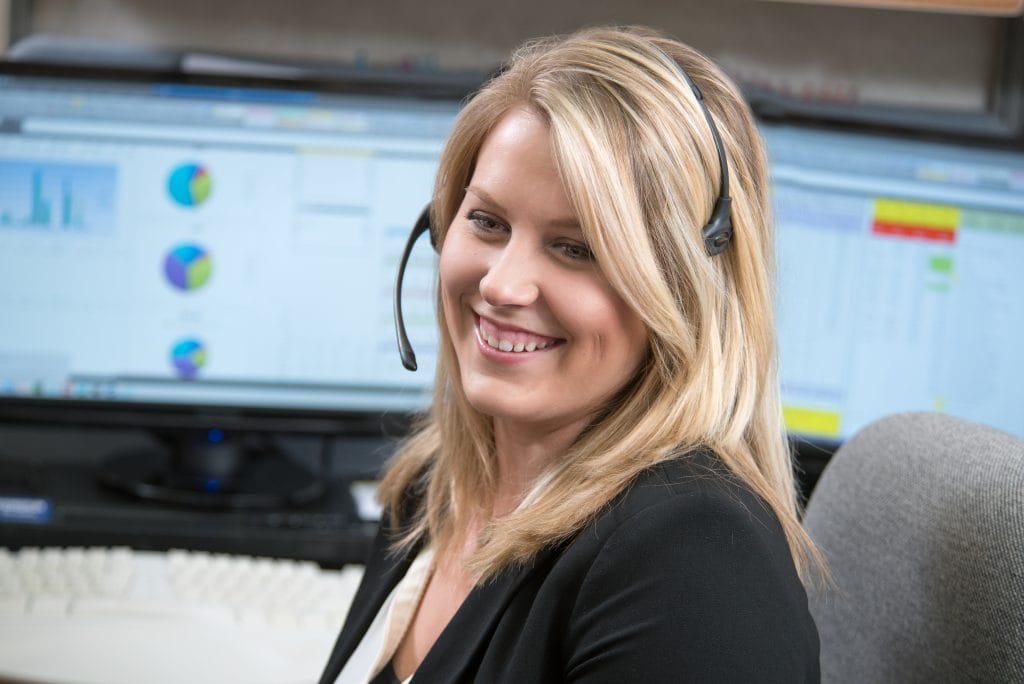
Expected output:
{"points": [[684, 577]]}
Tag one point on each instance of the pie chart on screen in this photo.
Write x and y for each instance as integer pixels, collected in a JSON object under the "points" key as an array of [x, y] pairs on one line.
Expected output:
{"points": [[189, 184], [188, 266], [188, 356]]}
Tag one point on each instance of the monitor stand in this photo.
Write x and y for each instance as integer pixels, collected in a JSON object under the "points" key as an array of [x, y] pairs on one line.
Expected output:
{"points": [[213, 469]]}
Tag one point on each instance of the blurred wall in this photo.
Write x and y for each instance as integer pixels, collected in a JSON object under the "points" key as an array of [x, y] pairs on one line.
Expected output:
{"points": [[942, 61]]}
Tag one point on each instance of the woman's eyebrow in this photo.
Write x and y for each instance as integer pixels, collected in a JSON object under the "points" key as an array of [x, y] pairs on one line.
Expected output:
{"points": [[565, 223], [486, 197]]}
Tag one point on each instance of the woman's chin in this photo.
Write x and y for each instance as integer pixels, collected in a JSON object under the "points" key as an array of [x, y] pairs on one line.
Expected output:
{"points": [[500, 400]]}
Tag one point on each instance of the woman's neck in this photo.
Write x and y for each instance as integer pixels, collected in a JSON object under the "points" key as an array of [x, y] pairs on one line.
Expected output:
{"points": [[522, 454]]}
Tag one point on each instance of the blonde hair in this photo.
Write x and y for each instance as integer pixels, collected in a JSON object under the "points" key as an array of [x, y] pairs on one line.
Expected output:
{"points": [[640, 167]]}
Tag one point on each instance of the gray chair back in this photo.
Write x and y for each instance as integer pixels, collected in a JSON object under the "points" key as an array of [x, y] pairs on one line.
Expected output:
{"points": [[921, 519]]}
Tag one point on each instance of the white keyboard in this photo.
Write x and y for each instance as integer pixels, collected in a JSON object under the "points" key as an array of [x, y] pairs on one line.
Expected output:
{"points": [[113, 616]]}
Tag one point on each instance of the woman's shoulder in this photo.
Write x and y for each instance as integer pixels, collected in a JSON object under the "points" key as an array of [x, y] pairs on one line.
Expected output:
{"points": [[689, 555], [689, 519], [695, 485]]}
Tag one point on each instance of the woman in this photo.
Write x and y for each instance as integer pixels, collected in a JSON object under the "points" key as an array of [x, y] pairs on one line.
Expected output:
{"points": [[601, 491]]}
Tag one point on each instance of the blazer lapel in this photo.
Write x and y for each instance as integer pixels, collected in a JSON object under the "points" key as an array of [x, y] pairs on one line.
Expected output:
{"points": [[458, 651], [383, 571]]}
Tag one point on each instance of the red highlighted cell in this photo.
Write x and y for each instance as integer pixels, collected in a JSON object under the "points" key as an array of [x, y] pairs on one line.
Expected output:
{"points": [[944, 235]]}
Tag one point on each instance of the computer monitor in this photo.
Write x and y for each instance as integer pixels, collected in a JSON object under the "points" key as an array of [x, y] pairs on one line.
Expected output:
{"points": [[214, 260], [901, 281]]}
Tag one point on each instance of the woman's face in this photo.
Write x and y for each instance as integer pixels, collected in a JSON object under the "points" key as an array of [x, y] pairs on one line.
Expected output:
{"points": [[542, 339]]}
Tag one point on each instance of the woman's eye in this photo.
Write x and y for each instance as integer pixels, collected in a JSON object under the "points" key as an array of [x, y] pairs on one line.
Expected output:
{"points": [[483, 221], [576, 252]]}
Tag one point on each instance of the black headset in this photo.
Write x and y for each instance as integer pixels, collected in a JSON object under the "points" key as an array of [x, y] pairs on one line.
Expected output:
{"points": [[717, 232], [404, 347]]}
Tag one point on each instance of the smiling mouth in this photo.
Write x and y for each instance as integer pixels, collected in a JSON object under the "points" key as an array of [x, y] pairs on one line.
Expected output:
{"points": [[511, 339]]}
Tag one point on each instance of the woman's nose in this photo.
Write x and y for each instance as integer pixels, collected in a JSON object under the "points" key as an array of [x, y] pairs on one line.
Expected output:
{"points": [[511, 279]]}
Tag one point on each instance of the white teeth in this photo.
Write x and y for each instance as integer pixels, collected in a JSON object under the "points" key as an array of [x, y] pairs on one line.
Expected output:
{"points": [[509, 346]]}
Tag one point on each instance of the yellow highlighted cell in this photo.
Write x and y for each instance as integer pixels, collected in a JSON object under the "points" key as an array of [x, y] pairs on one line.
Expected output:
{"points": [[924, 214], [813, 422]]}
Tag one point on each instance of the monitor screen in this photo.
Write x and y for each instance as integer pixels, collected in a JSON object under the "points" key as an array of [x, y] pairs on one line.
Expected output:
{"points": [[901, 281], [220, 245], [225, 246]]}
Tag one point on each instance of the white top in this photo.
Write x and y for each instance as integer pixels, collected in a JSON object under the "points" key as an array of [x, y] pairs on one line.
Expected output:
{"points": [[381, 640]]}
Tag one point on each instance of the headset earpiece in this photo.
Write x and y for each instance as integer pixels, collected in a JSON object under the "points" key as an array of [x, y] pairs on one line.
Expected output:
{"points": [[718, 230]]}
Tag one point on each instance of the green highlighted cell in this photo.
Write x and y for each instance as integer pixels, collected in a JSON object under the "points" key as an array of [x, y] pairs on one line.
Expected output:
{"points": [[994, 221], [941, 264]]}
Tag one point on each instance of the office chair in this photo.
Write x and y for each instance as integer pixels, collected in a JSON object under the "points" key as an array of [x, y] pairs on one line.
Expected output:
{"points": [[921, 519]]}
